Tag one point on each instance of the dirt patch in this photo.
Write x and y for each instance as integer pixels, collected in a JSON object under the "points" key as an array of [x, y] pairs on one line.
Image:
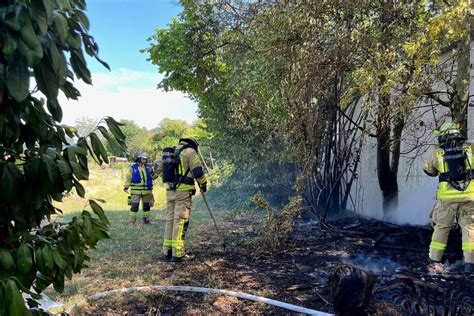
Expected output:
{"points": [[299, 273]]}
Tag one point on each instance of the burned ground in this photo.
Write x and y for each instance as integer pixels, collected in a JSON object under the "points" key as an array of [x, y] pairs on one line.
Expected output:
{"points": [[299, 273]]}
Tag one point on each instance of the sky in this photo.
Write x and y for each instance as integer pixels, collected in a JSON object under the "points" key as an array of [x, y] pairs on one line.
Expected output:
{"points": [[128, 91]]}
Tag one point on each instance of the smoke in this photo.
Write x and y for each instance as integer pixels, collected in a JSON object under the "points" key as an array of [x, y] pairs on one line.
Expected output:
{"points": [[415, 205], [374, 265]]}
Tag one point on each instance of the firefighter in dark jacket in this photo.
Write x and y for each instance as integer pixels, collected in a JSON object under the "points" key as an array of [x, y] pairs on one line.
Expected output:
{"points": [[452, 162], [140, 181]]}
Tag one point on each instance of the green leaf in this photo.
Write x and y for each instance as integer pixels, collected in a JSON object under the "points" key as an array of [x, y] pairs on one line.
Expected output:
{"points": [[74, 41], [28, 34], [88, 231], [31, 56], [6, 260], [83, 19], [80, 173], [104, 133], [58, 283], [9, 184], [70, 91], [81, 4], [16, 304], [64, 169], [24, 258], [62, 28], [59, 260], [64, 5], [12, 18], [99, 211], [79, 66], [10, 45], [51, 168], [58, 61], [98, 147], [115, 129], [48, 6], [48, 259], [40, 16], [80, 189], [55, 109], [18, 81], [46, 79], [92, 48]]}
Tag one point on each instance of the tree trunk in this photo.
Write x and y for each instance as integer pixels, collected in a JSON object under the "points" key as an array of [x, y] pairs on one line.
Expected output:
{"points": [[387, 165], [461, 100]]}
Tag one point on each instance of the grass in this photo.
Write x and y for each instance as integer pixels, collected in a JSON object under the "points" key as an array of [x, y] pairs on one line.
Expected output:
{"points": [[129, 257]]}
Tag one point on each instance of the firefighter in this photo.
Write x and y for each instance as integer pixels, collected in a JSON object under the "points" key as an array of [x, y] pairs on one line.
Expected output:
{"points": [[140, 181], [452, 162], [179, 174]]}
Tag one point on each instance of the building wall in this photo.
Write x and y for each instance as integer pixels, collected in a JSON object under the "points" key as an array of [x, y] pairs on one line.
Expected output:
{"points": [[416, 190]]}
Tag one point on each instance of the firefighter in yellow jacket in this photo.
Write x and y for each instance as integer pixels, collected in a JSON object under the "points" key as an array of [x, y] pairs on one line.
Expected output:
{"points": [[452, 162], [180, 168], [140, 181]]}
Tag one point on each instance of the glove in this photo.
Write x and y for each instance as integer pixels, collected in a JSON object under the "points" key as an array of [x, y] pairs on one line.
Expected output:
{"points": [[204, 187], [125, 190]]}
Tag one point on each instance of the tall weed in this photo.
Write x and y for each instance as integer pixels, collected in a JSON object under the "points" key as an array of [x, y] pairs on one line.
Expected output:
{"points": [[273, 231]]}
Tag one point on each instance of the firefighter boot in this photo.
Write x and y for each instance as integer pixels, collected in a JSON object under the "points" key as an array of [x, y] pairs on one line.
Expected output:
{"points": [[168, 255], [182, 258]]}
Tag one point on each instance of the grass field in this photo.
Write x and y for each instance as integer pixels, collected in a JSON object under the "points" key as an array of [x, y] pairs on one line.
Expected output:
{"points": [[129, 257]]}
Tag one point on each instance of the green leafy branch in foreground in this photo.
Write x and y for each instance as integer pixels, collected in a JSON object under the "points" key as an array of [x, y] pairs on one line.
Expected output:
{"points": [[41, 160]]}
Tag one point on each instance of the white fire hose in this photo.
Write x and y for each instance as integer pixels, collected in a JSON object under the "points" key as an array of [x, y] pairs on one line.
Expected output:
{"points": [[241, 295]]}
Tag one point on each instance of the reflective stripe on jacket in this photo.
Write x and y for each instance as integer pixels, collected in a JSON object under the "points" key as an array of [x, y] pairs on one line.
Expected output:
{"points": [[141, 181], [190, 163], [445, 191]]}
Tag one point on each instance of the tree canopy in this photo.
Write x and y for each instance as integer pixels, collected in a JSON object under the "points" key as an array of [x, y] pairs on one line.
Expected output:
{"points": [[307, 82], [41, 55]]}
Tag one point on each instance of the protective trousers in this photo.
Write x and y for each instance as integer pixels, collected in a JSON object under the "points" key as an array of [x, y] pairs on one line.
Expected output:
{"points": [[178, 210], [443, 216], [147, 201]]}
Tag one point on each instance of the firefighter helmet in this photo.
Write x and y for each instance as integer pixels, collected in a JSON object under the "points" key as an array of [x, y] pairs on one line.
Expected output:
{"points": [[447, 128], [142, 154], [191, 141]]}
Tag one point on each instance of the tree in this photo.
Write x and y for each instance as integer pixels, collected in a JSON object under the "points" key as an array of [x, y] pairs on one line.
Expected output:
{"points": [[266, 88], [169, 132], [307, 82], [44, 40], [137, 139], [403, 45]]}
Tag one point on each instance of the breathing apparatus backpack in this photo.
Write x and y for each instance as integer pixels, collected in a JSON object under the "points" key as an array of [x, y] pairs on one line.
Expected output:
{"points": [[459, 172], [171, 160]]}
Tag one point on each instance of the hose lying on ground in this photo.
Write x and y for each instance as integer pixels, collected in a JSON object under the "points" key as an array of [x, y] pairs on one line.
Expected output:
{"points": [[255, 298]]}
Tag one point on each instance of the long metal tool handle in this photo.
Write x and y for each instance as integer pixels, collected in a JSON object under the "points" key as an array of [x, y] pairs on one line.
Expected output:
{"points": [[204, 163], [209, 209], [213, 218]]}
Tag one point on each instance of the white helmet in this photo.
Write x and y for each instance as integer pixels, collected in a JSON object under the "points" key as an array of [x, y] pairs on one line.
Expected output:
{"points": [[142, 154]]}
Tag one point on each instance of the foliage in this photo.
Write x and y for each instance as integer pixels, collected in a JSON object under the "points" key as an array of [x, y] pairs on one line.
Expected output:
{"points": [[44, 40], [274, 229], [282, 82], [136, 139], [169, 131]]}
